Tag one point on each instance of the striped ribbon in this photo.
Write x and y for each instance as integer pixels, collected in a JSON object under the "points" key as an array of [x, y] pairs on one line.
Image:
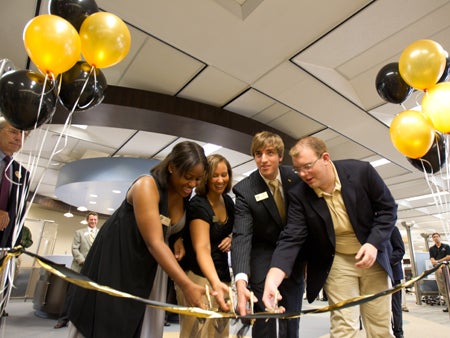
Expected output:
{"points": [[84, 282]]}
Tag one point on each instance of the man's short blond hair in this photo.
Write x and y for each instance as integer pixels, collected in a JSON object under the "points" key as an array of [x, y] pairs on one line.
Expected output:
{"points": [[316, 144], [264, 139]]}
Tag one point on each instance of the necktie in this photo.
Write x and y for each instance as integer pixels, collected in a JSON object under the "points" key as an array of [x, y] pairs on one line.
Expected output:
{"points": [[91, 235], [5, 186], [275, 184]]}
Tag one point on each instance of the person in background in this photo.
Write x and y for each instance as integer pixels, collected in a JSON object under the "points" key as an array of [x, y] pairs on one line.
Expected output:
{"points": [[14, 185], [207, 239], [396, 258], [440, 252], [26, 240], [130, 245], [257, 225], [81, 244], [342, 214]]}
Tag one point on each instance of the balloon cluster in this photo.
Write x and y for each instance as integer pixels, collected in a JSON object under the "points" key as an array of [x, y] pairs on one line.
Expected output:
{"points": [[68, 46], [424, 66]]}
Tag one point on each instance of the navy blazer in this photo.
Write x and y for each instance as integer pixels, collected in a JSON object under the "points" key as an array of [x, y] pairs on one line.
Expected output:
{"points": [[16, 209], [257, 225], [372, 212]]}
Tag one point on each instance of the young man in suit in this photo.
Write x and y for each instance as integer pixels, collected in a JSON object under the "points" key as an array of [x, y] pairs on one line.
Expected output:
{"points": [[342, 214], [257, 224], [82, 241], [81, 244], [14, 188]]}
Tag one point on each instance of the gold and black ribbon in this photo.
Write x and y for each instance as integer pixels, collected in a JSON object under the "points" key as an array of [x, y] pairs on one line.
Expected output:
{"points": [[84, 282]]}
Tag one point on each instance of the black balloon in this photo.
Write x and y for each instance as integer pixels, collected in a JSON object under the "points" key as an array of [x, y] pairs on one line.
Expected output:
{"points": [[72, 83], [446, 74], [74, 11], [390, 85], [434, 159], [21, 93]]}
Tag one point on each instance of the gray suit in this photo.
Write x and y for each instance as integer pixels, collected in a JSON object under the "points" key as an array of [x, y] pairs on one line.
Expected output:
{"points": [[80, 248]]}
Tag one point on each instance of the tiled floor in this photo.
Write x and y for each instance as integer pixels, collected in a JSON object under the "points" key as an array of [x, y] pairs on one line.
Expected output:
{"points": [[422, 321]]}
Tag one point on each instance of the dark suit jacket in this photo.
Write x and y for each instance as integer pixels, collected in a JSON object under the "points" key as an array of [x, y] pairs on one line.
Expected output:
{"points": [[257, 225], [16, 209], [397, 251], [372, 213]]}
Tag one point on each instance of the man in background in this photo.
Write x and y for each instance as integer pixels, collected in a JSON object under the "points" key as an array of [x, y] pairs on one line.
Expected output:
{"points": [[82, 242], [440, 252], [14, 185]]}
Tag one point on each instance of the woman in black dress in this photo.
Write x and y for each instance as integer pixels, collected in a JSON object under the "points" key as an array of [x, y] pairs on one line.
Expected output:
{"points": [[130, 245], [210, 216]]}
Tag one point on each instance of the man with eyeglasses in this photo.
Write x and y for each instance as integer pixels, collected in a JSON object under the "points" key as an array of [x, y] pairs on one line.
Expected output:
{"points": [[13, 208], [257, 224], [341, 215], [13, 189]]}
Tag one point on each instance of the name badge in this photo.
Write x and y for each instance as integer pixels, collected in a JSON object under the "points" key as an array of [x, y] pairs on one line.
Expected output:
{"points": [[215, 219], [164, 220], [261, 196]]}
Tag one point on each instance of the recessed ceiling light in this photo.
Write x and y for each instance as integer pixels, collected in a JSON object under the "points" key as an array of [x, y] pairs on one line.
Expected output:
{"points": [[82, 208], [379, 162], [93, 195], [92, 202], [116, 191], [81, 126]]}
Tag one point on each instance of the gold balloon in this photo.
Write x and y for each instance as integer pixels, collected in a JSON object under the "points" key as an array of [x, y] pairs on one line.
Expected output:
{"points": [[436, 104], [422, 63], [52, 43], [412, 133], [105, 39]]}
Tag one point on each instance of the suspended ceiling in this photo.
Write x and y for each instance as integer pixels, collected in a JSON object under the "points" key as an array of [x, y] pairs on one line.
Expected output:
{"points": [[300, 67]]}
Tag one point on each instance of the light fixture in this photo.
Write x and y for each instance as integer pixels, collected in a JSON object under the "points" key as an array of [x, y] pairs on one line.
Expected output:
{"points": [[68, 214], [82, 208]]}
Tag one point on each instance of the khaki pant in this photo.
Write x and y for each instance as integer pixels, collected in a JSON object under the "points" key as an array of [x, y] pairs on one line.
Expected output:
{"points": [[193, 327], [441, 285], [346, 281]]}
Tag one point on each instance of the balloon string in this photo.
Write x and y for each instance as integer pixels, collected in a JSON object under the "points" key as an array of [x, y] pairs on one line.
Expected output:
{"points": [[83, 88]]}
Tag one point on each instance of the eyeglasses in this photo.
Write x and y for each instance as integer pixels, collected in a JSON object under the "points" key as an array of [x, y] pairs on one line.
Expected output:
{"points": [[307, 167]]}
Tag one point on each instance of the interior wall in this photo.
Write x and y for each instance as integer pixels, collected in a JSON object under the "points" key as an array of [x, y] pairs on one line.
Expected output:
{"points": [[66, 227]]}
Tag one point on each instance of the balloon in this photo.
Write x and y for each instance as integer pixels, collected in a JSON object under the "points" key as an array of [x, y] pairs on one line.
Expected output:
{"points": [[72, 83], [436, 104], [74, 11], [412, 133], [422, 63], [446, 74], [20, 97], [105, 39], [390, 85], [52, 43], [434, 159]]}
